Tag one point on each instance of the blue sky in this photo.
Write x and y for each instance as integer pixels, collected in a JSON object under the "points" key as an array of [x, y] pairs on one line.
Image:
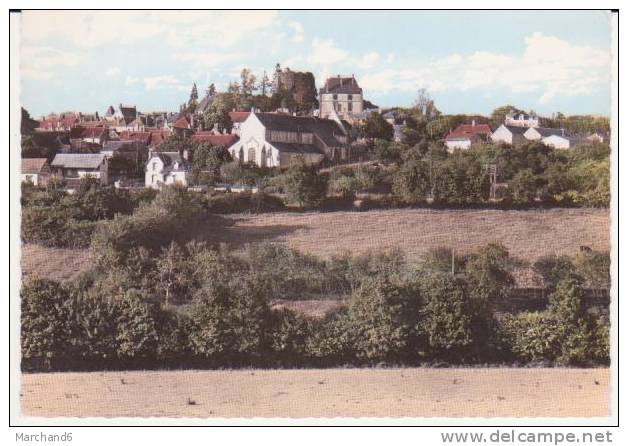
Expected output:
{"points": [[469, 61]]}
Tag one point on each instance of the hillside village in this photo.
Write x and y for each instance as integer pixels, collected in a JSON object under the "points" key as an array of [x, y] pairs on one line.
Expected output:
{"points": [[270, 125]]}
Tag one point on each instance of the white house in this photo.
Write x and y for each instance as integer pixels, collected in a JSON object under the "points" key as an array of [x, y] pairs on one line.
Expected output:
{"points": [[343, 95], [166, 168], [508, 134], [466, 134], [277, 140], [558, 141], [516, 119], [538, 133]]}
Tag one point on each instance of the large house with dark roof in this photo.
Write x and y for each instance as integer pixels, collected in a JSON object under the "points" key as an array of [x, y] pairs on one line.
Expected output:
{"points": [[343, 95], [277, 140], [71, 167]]}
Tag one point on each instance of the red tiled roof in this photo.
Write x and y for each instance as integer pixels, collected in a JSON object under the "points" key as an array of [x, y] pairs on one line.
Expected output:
{"points": [[86, 132], [69, 121], [93, 124], [182, 123], [464, 131], [214, 139], [135, 136], [54, 123], [158, 136], [238, 116]]}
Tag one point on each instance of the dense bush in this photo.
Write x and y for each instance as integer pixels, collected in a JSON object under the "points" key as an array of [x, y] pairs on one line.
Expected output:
{"points": [[231, 321], [192, 305], [304, 185], [565, 333], [151, 226], [384, 319], [52, 217]]}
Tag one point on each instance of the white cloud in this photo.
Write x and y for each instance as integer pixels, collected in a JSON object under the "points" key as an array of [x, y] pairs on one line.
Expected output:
{"points": [[164, 82], [112, 71], [44, 62], [131, 80], [88, 29], [207, 59], [325, 52], [298, 31], [548, 68], [369, 60]]}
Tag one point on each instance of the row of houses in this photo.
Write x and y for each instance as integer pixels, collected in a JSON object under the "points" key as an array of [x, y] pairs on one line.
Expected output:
{"points": [[465, 135]]}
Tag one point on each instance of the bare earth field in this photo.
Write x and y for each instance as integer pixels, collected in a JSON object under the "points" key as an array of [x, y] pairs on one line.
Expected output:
{"points": [[53, 263], [320, 393], [527, 234]]}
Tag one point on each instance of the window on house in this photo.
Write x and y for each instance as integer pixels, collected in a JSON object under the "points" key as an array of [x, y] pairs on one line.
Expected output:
{"points": [[350, 97], [335, 97], [154, 165], [350, 106]]}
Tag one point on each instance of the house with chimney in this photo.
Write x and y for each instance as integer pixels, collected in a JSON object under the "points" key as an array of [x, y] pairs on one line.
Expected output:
{"points": [[278, 140], [463, 136], [167, 168], [343, 95]]}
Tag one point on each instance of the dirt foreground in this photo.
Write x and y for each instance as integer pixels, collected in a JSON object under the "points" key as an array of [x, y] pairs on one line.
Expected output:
{"points": [[405, 392]]}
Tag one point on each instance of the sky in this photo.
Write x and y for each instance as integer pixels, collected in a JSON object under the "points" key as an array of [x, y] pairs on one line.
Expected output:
{"points": [[468, 61]]}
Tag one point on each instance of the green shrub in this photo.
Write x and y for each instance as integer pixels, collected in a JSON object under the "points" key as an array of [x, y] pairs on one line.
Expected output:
{"points": [[565, 333], [45, 310], [230, 320], [304, 185], [384, 320], [93, 330], [136, 331], [53, 226], [288, 336], [456, 323], [332, 340], [152, 226]]}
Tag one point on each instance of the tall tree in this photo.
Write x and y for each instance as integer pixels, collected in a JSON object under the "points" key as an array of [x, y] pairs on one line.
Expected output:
{"points": [[265, 84], [193, 101], [247, 82], [424, 104]]}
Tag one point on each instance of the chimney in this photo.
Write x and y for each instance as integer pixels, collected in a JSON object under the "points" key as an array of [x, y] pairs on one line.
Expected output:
{"points": [[473, 123]]}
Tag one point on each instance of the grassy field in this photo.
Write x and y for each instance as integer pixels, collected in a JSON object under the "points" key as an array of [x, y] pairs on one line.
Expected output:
{"points": [[407, 392], [527, 234]]}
